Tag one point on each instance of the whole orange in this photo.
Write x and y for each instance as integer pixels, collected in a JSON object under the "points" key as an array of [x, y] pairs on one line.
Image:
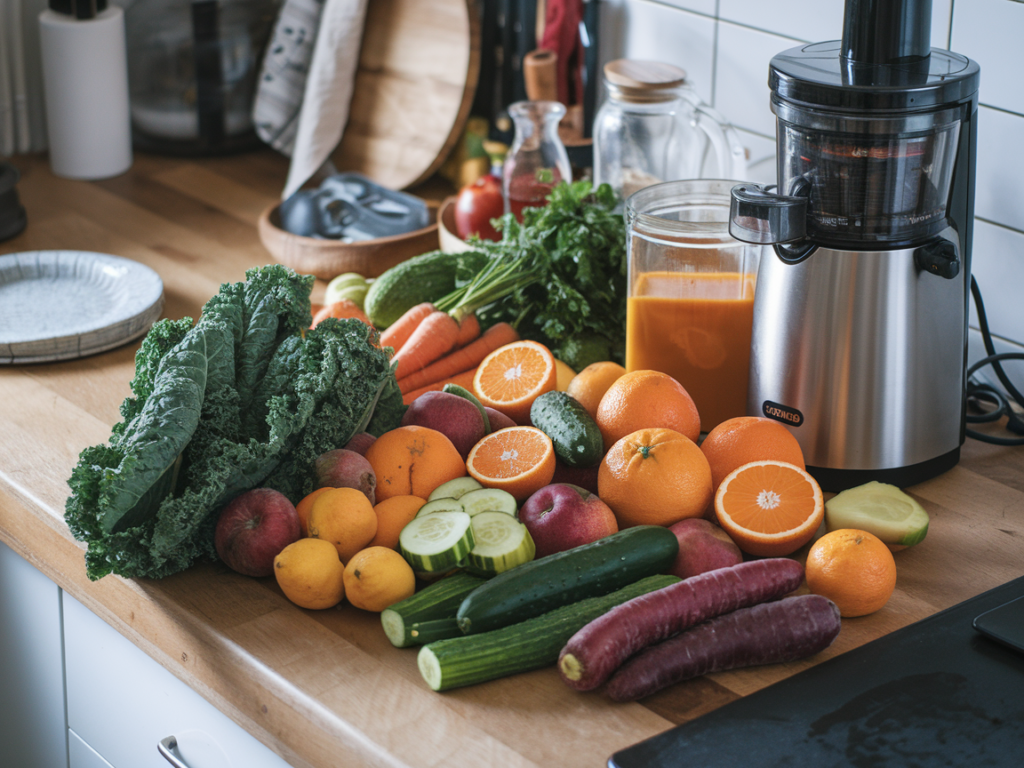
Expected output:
{"points": [[589, 385], [345, 518], [645, 400], [392, 516], [744, 439], [854, 569], [413, 461], [304, 507], [654, 477]]}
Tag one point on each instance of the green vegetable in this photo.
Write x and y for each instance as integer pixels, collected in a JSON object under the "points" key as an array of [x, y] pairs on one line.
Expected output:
{"points": [[501, 543], [436, 542], [436, 602], [428, 277], [574, 434], [530, 644], [241, 399], [566, 577]]}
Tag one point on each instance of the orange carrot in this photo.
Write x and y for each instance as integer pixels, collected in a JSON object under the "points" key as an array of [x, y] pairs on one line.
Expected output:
{"points": [[433, 339], [469, 329], [464, 379], [396, 334], [340, 309], [470, 356]]}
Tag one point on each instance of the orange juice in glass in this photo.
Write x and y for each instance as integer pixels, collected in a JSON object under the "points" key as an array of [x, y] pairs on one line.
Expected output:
{"points": [[691, 294]]}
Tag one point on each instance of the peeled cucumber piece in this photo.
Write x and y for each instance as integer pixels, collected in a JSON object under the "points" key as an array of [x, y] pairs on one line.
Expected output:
{"points": [[454, 489], [881, 509], [502, 542], [489, 500], [436, 542]]}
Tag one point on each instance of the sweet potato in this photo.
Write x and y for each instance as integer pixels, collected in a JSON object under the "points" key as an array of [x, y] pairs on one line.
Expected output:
{"points": [[768, 633], [596, 651]]}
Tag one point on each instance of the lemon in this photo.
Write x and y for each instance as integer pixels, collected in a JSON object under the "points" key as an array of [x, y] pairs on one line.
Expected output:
{"points": [[884, 510]]}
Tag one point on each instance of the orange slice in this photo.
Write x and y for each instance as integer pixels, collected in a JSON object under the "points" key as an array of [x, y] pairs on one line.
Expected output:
{"points": [[513, 376], [769, 508], [519, 460]]}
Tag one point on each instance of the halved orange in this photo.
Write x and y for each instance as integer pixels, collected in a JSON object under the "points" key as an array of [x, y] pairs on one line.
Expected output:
{"points": [[513, 376], [520, 460], [769, 508]]}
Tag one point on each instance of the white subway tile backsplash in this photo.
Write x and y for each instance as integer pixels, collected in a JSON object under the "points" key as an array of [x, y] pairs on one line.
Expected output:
{"points": [[741, 75], [998, 266], [707, 7], [1000, 167], [807, 20], [990, 32], [761, 162]]}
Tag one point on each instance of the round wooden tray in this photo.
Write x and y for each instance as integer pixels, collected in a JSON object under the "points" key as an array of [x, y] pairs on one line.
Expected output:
{"points": [[329, 258]]}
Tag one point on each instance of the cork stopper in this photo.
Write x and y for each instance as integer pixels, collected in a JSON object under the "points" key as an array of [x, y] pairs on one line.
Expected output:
{"points": [[639, 81]]}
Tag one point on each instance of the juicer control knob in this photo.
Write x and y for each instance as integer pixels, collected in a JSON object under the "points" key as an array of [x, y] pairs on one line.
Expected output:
{"points": [[938, 257]]}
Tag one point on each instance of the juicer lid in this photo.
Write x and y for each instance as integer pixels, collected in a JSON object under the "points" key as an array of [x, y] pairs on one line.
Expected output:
{"points": [[818, 76]]}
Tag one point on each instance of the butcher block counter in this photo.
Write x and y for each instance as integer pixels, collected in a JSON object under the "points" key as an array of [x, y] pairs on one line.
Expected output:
{"points": [[326, 688]]}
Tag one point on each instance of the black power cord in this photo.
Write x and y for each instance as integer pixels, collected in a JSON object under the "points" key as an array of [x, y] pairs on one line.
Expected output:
{"points": [[978, 392]]}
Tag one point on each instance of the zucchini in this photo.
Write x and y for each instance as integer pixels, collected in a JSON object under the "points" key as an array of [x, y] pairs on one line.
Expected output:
{"points": [[567, 577], [574, 434], [428, 277], [405, 622], [530, 644], [454, 489], [502, 542], [489, 500], [437, 542]]}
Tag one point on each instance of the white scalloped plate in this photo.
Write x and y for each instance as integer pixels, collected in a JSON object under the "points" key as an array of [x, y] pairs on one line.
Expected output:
{"points": [[61, 305]]}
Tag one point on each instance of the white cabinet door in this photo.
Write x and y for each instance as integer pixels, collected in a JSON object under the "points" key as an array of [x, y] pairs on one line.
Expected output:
{"points": [[33, 731], [81, 755], [121, 703]]}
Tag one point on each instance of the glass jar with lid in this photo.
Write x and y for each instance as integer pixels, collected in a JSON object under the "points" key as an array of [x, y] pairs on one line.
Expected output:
{"points": [[653, 128]]}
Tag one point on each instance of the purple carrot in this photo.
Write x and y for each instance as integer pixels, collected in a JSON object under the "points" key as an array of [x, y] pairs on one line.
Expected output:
{"points": [[596, 651], [786, 630]]}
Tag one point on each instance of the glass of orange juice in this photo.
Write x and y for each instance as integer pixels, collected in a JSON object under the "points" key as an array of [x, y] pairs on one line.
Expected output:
{"points": [[691, 293]]}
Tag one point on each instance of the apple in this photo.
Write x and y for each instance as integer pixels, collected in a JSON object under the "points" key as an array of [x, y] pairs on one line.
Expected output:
{"points": [[498, 419], [454, 417], [584, 477], [253, 529], [342, 468], [703, 546], [561, 516]]}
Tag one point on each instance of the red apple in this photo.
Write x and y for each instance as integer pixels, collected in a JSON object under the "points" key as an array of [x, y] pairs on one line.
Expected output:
{"points": [[498, 419], [584, 477], [253, 529], [703, 546], [562, 516], [342, 468]]}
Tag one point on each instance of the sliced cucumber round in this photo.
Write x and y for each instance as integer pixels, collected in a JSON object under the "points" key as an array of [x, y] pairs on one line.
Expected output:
{"points": [[489, 500], [884, 510], [454, 489], [440, 505], [436, 542], [502, 542]]}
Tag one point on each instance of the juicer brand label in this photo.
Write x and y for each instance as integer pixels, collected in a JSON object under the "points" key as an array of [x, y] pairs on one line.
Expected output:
{"points": [[782, 413]]}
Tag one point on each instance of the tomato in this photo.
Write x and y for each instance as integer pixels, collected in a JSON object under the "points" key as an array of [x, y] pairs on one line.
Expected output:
{"points": [[477, 204]]}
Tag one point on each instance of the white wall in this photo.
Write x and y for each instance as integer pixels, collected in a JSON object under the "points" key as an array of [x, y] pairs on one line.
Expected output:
{"points": [[725, 47]]}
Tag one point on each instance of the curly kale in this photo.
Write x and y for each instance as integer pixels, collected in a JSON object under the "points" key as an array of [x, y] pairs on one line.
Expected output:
{"points": [[244, 398]]}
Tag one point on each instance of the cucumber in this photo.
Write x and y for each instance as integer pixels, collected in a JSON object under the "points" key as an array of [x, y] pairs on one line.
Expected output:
{"points": [[455, 389], [882, 509], [530, 644], [502, 542], [454, 489], [405, 622], [440, 505], [436, 542], [574, 433], [566, 577], [428, 277], [489, 500]]}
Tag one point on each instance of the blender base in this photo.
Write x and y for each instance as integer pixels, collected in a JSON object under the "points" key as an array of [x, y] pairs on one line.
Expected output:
{"points": [[836, 480]]}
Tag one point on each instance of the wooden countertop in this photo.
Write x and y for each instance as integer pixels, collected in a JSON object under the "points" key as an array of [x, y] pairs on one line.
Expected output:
{"points": [[325, 688]]}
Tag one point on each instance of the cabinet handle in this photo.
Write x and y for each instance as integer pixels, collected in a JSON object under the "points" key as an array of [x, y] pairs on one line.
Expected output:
{"points": [[168, 748]]}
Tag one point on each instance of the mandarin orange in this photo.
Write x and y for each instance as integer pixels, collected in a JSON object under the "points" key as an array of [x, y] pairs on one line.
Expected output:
{"points": [[589, 385], [392, 516], [646, 400], [413, 461], [744, 439], [852, 568]]}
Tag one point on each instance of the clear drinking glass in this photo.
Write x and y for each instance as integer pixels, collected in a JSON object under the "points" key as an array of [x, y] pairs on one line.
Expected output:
{"points": [[537, 159], [690, 307]]}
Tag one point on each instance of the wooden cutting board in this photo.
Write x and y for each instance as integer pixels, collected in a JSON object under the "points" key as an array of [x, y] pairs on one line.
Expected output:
{"points": [[418, 70]]}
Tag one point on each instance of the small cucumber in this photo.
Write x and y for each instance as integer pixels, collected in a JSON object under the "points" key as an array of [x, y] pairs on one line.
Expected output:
{"points": [[502, 542], [455, 389], [437, 602], [440, 505], [566, 577], [489, 500], [574, 433], [436, 542], [454, 489]]}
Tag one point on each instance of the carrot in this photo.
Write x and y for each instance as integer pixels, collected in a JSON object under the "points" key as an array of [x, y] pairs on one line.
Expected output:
{"points": [[596, 651], [396, 334], [340, 309], [464, 379], [469, 329], [433, 339], [470, 356], [785, 630]]}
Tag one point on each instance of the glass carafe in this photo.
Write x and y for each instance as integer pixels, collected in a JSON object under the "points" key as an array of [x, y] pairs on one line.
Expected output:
{"points": [[537, 159], [653, 128]]}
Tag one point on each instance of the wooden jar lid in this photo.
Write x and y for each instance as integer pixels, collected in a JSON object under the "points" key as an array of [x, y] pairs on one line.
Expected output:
{"points": [[643, 75]]}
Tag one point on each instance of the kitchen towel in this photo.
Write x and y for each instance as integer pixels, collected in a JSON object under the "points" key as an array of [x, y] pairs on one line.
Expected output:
{"points": [[328, 93]]}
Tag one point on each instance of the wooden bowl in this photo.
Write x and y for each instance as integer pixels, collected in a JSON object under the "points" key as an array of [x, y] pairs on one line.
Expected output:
{"points": [[450, 242], [329, 258]]}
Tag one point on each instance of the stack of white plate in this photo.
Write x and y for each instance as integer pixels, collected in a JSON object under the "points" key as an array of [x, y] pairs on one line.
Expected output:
{"points": [[60, 305]]}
